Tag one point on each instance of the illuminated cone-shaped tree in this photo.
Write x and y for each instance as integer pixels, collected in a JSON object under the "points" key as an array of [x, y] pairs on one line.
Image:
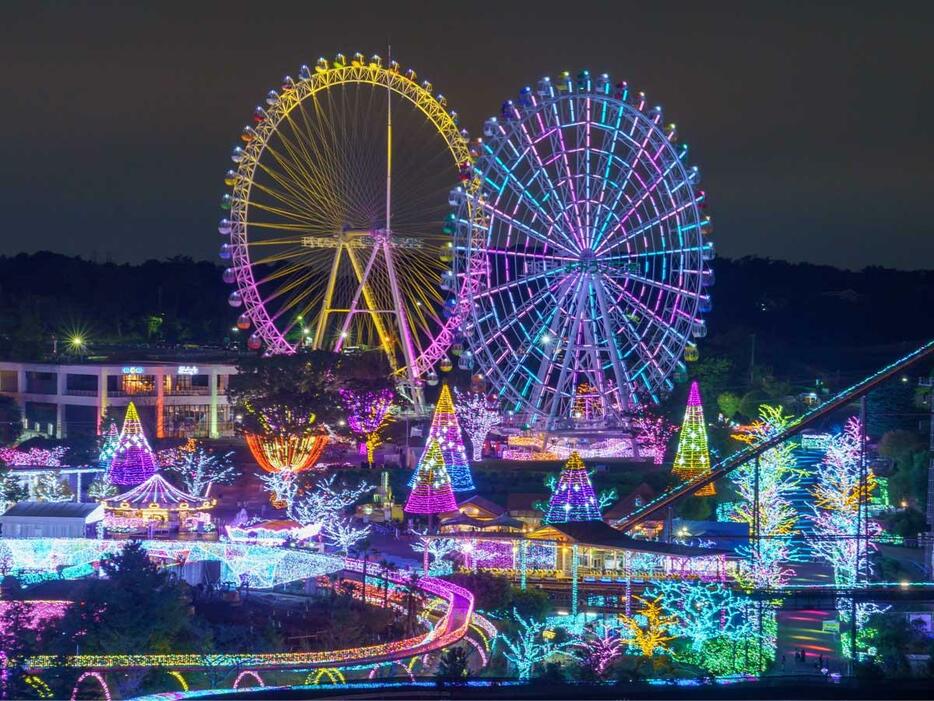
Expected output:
{"points": [[133, 461], [447, 431], [109, 442], [573, 498], [693, 457], [432, 493]]}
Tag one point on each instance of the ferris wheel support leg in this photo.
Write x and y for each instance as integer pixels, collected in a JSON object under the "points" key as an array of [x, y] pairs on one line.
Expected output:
{"points": [[621, 374], [555, 331], [384, 339], [328, 297], [621, 377], [345, 327], [408, 349]]}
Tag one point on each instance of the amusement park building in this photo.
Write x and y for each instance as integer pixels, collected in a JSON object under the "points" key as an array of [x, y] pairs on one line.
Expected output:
{"points": [[173, 398]]}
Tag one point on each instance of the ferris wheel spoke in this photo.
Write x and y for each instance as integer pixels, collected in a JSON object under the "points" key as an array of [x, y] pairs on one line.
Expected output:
{"points": [[608, 156], [490, 208], [657, 221], [562, 153], [516, 186], [294, 195], [519, 313], [541, 171], [621, 371], [661, 324], [571, 322], [516, 361]]}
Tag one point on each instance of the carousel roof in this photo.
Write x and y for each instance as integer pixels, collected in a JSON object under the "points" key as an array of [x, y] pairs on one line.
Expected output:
{"points": [[157, 492]]}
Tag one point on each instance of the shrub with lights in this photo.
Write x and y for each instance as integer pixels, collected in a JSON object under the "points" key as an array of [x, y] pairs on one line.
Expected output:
{"points": [[368, 414]]}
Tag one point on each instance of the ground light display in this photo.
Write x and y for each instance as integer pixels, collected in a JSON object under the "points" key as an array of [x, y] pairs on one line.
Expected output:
{"points": [[539, 283]]}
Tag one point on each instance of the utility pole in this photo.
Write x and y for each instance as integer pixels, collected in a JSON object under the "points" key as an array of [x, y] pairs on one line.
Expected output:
{"points": [[928, 535]]}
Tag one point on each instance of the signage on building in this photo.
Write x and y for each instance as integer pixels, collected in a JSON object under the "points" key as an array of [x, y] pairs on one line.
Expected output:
{"points": [[132, 370], [187, 370]]}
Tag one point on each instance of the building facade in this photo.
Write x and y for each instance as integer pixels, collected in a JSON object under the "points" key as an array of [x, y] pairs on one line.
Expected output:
{"points": [[173, 399]]}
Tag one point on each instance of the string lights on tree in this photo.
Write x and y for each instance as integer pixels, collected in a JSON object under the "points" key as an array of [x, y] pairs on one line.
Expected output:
{"points": [[341, 533], [773, 512], [653, 433], [531, 645], [648, 631], [433, 492], [693, 456], [573, 498], [445, 430], [199, 468], [368, 414], [478, 416], [133, 460], [325, 502]]}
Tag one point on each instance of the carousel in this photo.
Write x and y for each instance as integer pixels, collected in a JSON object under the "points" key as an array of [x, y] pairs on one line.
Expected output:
{"points": [[156, 505]]}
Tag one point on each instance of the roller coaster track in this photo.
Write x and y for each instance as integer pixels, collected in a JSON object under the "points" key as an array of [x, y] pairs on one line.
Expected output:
{"points": [[733, 461]]}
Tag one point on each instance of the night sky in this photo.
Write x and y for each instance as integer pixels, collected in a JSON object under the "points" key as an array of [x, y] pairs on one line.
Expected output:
{"points": [[812, 122]]}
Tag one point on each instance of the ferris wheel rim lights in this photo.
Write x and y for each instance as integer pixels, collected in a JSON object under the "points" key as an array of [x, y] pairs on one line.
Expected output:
{"points": [[556, 167]]}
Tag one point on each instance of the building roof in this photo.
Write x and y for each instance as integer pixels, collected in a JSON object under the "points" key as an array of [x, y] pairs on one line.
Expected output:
{"points": [[483, 504], [51, 509], [601, 534], [642, 494]]}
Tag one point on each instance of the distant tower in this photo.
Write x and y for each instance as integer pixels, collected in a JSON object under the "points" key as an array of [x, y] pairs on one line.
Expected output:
{"points": [[693, 456], [133, 461], [573, 498], [432, 493]]}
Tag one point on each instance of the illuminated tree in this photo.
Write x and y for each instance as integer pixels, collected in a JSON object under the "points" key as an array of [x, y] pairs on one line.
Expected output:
{"points": [[368, 413], [102, 488], [654, 433], [343, 534], [648, 630], [701, 611], [693, 456], [108, 444], [133, 460], [445, 429], [530, 646], [839, 531], [573, 498], [601, 645], [200, 468], [438, 549], [49, 487], [325, 502], [284, 439], [779, 478], [477, 415], [282, 487], [11, 491], [433, 492]]}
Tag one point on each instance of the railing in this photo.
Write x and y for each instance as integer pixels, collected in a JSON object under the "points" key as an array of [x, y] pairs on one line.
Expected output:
{"points": [[730, 463]]}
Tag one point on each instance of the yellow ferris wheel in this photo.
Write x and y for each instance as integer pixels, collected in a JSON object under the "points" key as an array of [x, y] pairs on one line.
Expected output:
{"points": [[338, 232]]}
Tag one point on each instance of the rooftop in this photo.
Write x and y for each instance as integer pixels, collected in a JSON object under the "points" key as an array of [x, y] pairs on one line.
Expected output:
{"points": [[51, 509]]}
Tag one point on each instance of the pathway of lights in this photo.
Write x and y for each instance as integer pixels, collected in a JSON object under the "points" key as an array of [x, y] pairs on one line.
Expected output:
{"points": [[452, 625]]}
